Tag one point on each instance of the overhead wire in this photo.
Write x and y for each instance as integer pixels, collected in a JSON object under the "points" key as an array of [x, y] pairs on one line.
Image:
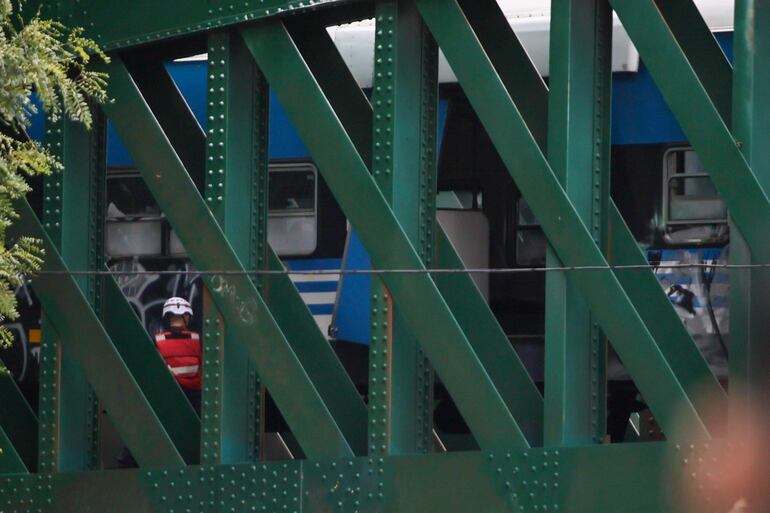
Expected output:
{"points": [[373, 272]]}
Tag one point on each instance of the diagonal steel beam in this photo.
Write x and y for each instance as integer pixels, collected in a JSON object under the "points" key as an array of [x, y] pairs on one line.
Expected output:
{"points": [[248, 317], [505, 368], [18, 420], [648, 298], [368, 211], [478, 322], [138, 352], [298, 325], [699, 117], [332, 74], [706, 56], [562, 225], [514, 66], [10, 461], [173, 113], [316, 354], [69, 311]]}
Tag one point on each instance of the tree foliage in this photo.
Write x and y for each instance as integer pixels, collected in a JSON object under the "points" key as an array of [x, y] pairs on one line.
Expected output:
{"points": [[44, 60]]}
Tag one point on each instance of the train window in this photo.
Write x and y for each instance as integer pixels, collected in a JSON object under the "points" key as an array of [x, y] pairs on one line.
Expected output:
{"points": [[693, 211], [530, 239], [134, 220], [292, 221]]}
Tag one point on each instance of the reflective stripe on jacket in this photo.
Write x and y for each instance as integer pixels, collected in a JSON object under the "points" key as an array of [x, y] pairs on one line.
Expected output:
{"points": [[181, 351]]}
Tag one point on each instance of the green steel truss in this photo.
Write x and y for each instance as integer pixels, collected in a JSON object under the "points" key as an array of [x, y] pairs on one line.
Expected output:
{"points": [[535, 452]]}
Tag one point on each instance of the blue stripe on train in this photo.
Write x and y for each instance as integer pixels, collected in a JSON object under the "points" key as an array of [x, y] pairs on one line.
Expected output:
{"points": [[316, 286], [321, 309]]}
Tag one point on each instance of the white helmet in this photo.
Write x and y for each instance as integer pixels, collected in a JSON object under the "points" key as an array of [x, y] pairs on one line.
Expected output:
{"points": [[177, 306]]}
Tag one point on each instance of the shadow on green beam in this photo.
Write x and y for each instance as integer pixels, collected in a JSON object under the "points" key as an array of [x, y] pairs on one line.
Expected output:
{"points": [[150, 371], [471, 310], [18, 421], [86, 340], [423, 308], [10, 462], [561, 223], [245, 312]]}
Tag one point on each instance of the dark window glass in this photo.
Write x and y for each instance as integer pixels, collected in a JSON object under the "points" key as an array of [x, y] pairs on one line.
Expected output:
{"points": [[128, 196], [292, 191]]}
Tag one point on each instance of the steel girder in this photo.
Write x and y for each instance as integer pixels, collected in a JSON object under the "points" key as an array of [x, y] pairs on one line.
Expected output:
{"points": [[379, 161]]}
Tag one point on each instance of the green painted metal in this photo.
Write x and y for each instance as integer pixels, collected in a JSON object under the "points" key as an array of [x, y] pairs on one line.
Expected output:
{"points": [[705, 55], [245, 313], [18, 421], [137, 349], [505, 368], [234, 187], [578, 152], [355, 190], [317, 356], [47, 397], [515, 67], [644, 289], [671, 336], [125, 23], [708, 396], [66, 207], [405, 99], [380, 165], [336, 80], [10, 461], [749, 354], [285, 303], [699, 117], [562, 225], [173, 113], [69, 310], [468, 305], [583, 480]]}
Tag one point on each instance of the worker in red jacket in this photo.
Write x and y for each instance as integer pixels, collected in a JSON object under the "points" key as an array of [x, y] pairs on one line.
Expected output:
{"points": [[181, 348]]}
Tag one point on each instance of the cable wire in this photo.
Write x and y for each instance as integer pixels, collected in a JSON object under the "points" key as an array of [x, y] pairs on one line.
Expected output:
{"points": [[374, 272]]}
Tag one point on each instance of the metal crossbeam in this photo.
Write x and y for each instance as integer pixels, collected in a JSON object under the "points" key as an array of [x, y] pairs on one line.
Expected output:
{"points": [[489, 341], [101, 363], [151, 373], [378, 158], [559, 220], [347, 175], [237, 298], [579, 480], [18, 421]]}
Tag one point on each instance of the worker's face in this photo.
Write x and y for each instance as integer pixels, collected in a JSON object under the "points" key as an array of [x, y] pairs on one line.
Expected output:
{"points": [[179, 321]]}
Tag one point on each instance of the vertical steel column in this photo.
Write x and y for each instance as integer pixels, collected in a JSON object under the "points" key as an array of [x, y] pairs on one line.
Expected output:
{"points": [[235, 191], [578, 151], [750, 289], [405, 96], [73, 216]]}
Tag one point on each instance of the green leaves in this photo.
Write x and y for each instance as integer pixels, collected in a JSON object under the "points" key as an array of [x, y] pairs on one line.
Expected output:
{"points": [[44, 58]]}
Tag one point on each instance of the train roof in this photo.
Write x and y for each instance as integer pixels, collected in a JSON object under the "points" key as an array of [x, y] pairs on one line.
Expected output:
{"points": [[530, 19]]}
